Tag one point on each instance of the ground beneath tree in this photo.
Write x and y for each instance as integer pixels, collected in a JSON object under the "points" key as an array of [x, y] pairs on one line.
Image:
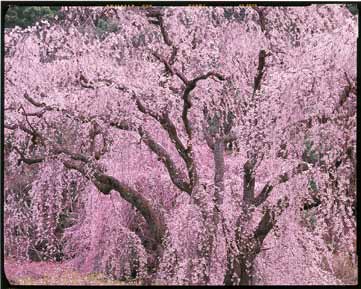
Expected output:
{"points": [[50, 273]]}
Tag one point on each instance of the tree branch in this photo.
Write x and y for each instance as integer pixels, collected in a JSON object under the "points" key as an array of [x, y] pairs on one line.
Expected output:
{"points": [[169, 67], [190, 85], [158, 15], [170, 128], [33, 102], [144, 110], [46, 108], [218, 155], [268, 221], [282, 178], [21, 126], [348, 89], [186, 153], [208, 137], [27, 160], [35, 135], [248, 181], [262, 18], [106, 184], [300, 168], [186, 98], [174, 173], [260, 71], [265, 226], [324, 118], [74, 156], [39, 113], [123, 125], [263, 195]]}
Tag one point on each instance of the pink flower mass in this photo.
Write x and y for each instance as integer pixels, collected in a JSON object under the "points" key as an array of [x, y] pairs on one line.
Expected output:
{"points": [[189, 145]]}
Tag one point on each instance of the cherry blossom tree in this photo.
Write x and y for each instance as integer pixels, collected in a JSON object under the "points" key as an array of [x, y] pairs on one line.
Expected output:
{"points": [[189, 145]]}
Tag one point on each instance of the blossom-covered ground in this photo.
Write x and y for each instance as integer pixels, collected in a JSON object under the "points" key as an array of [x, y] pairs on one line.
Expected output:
{"points": [[49, 273]]}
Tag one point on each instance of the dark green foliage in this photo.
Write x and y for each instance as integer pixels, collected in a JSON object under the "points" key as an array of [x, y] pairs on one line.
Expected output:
{"points": [[352, 8], [312, 185], [104, 26], [234, 14], [228, 13], [25, 16], [310, 155], [309, 205]]}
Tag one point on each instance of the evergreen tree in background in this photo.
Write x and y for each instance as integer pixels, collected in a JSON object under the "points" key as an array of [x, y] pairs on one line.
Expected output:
{"points": [[352, 8], [25, 16]]}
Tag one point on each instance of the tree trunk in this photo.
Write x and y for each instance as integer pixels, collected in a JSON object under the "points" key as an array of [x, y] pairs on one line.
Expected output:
{"points": [[237, 273], [153, 218], [211, 221], [218, 155]]}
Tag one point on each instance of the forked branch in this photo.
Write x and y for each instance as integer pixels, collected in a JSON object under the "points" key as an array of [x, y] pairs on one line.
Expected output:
{"points": [[174, 172]]}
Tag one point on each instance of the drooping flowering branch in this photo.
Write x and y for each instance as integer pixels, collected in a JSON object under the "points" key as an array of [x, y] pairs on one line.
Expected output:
{"points": [[208, 210]]}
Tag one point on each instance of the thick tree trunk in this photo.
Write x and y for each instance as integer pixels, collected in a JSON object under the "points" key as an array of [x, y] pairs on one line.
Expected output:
{"points": [[153, 265], [218, 156], [244, 274], [239, 266], [153, 218], [237, 272]]}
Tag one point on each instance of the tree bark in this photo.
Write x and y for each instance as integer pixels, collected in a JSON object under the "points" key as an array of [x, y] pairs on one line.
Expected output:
{"points": [[213, 220], [154, 220], [237, 273]]}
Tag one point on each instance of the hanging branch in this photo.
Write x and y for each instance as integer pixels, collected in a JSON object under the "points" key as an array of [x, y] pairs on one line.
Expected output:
{"points": [[106, 184]]}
